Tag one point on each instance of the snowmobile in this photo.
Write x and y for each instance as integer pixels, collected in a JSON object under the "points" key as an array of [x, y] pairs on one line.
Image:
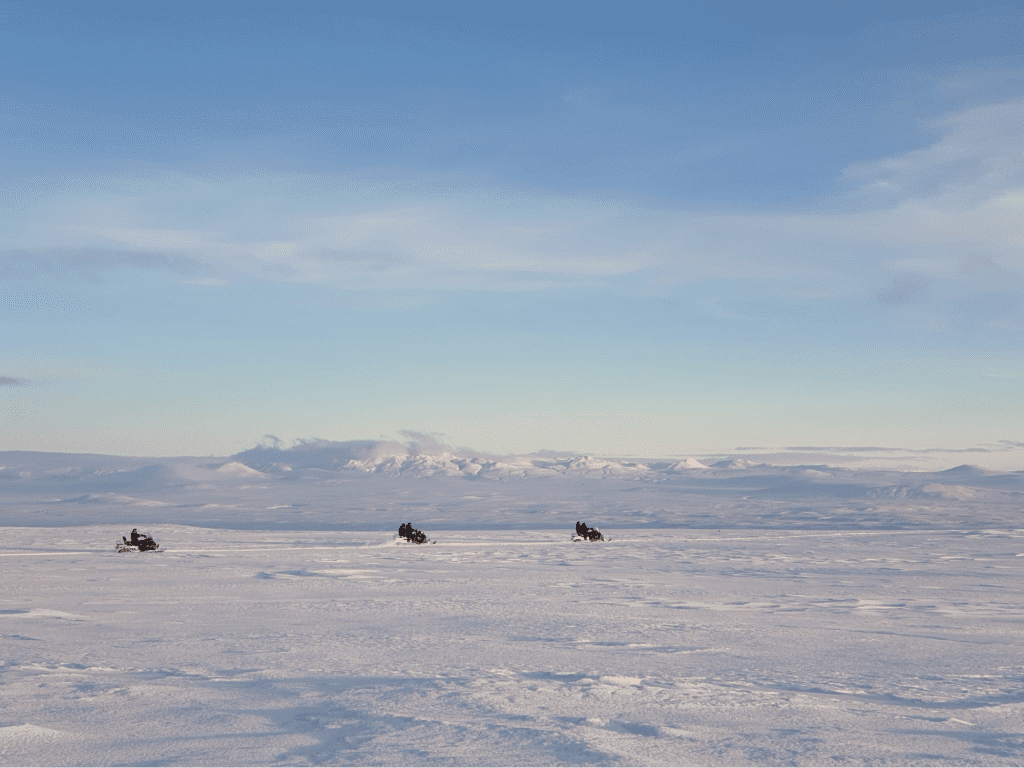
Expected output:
{"points": [[586, 533], [412, 535], [140, 543]]}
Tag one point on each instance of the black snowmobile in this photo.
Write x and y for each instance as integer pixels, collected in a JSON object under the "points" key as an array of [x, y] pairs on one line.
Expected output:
{"points": [[412, 535], [586, 533], [140, 542]]}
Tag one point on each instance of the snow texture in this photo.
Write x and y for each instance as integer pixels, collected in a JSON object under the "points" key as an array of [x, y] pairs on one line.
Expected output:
{"points": [[740, 615]]}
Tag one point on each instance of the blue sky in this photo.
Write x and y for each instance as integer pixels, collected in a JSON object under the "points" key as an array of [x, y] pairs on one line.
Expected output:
{"points": [[618, 228]]}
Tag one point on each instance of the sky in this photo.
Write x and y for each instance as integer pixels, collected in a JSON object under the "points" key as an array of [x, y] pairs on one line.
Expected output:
{"points": [[625, 229]]}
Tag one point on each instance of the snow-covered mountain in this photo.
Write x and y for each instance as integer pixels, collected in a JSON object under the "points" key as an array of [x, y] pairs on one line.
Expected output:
{"points": [[395, 460], [372, 485]]}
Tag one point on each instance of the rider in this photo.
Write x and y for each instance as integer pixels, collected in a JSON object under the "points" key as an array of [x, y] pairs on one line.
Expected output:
{"points": [[140, 540]]}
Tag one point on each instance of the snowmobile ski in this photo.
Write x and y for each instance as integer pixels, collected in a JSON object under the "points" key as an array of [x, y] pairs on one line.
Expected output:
{"points": [[122, 547]]}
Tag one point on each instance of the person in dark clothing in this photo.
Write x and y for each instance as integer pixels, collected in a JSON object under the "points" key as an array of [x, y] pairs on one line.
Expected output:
{"points": [[141, 541], [409, 533]]}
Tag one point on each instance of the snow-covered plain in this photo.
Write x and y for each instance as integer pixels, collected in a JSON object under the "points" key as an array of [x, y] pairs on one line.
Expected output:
{"points": [[739, 615]]}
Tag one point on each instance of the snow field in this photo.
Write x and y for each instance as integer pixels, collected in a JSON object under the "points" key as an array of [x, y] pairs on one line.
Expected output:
{"points": [[242, 647]]}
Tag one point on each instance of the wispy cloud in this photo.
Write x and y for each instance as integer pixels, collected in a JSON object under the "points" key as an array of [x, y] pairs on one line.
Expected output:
{"points": [[1000, 453], [71, 262], [943, 217], [853, 449], [13, 381], [903, 290], [977, 157], [432, 443], [1008, 445]]}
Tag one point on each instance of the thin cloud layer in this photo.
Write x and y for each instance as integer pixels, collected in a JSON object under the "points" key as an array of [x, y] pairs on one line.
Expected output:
{"points": [[925, 459], [55, 262], [955, 202], [977, 158]]}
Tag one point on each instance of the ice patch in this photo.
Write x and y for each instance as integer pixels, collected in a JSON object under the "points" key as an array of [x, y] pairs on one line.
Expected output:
{"points": [[620, 680], [39, 613], [16, 735]]}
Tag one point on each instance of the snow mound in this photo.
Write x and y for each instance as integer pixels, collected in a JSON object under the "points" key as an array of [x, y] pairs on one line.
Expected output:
{"points": [[931, 491], [237, 469], [589, 466], [735, 464], [959, 492], [419, 465], [688, 463], [814, 473], [588, 463], [966, 470]]}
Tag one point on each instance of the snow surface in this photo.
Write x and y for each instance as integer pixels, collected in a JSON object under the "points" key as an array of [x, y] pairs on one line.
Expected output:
{"points": [[740, 615]]}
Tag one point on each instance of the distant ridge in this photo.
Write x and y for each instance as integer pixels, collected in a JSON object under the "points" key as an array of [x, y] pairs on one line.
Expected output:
{"points": [[371, 485], [394, 459], [966, 470]]}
